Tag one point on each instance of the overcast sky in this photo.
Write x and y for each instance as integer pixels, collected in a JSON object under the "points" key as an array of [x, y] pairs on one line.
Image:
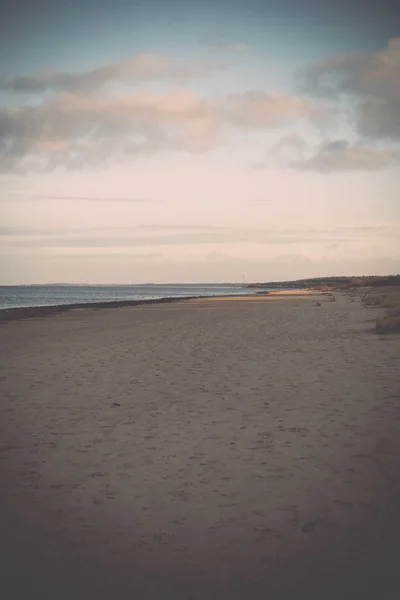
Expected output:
{"points": [[198, 141]]}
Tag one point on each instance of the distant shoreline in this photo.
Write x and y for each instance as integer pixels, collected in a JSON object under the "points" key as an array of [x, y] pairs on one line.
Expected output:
{"points": [[334, 283], [12, 314], [94, 285]]}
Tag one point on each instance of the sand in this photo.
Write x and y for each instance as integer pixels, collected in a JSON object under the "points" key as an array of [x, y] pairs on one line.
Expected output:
{"points": [[241, 448]]}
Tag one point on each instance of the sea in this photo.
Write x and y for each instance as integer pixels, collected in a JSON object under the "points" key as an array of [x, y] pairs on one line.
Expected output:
{"points": [[22, 296]]}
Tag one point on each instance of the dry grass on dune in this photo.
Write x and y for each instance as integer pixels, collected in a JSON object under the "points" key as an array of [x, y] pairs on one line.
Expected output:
{"points": [[389, 324], [389, 299], [383, 299]]}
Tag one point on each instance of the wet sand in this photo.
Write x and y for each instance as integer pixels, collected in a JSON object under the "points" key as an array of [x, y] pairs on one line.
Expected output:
{"points": [[241, 448]]}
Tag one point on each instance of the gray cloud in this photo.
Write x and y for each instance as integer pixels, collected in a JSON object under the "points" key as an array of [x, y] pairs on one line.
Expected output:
{"points": [[331, 156], [340, 155], [374, 74], [370, 81], [289, 148], [134, 70], [379, 118]]}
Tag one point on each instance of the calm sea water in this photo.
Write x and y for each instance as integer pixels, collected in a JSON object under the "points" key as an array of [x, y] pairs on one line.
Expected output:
{"points": [[54, 295]]}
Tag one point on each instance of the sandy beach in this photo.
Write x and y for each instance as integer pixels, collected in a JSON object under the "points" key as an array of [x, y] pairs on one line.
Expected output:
{"points": [[212, 448]]}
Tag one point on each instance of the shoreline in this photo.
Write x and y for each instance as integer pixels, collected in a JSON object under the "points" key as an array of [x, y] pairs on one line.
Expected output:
{"points": [[29, 312], [26, 312]]}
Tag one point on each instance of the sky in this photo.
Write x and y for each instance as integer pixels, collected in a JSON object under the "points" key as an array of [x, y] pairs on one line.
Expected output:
{"points": [[158, 141]]}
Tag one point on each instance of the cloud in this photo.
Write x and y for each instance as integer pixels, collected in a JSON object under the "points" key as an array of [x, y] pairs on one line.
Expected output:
{"points": [[151, 228], [96, 199], [30, 232], [216, 256], [373, 74], [101, 257], [282, 255], [256, 109], [340, 155], [288, 148], [207, 228], [76, 130], [290, 140], [154, 235], [330, 155], [379, 118], [371, 82], [142, 68]]}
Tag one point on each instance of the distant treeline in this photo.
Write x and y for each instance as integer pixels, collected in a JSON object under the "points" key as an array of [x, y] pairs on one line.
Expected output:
{"points": [[335, 282]]}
